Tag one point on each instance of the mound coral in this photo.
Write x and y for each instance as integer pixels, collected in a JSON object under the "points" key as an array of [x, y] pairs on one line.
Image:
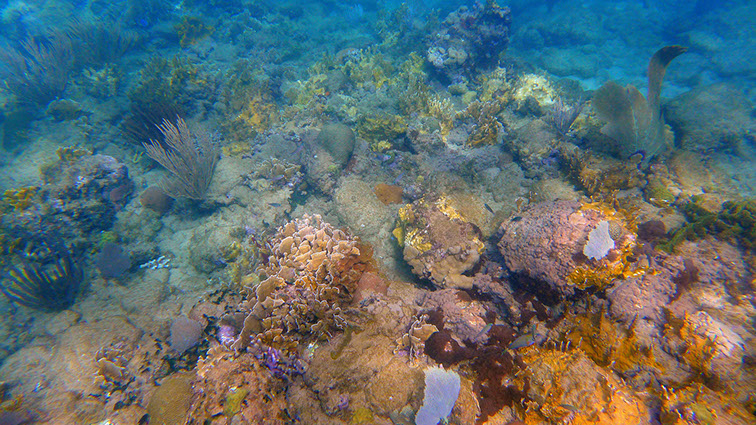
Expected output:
{"points": [[438, 242], [311, 273], [546, 244]]}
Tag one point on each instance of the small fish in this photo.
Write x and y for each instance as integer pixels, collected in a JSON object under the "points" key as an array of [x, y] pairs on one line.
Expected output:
{"points": [[488, 207], [522, 341], [274, 204], [483, 331]]}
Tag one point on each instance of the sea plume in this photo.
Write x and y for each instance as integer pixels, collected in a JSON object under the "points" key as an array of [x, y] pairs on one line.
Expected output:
{"points": [[190, 158]]}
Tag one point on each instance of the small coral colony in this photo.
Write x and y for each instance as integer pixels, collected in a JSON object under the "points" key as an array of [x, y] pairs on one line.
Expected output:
{"points": [[206, 223]]}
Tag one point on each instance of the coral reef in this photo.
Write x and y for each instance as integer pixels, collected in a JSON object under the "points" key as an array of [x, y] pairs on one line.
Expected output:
{"points": [[541, 254], [469, 40], [438, 242]]}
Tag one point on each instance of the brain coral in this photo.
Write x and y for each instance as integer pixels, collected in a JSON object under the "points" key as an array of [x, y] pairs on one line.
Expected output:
{"points": [[312, 271]]}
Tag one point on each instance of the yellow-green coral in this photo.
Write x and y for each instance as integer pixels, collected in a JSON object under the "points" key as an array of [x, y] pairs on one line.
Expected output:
{"points": [[20, 199], [258, 114], [699, 348], [382, 128], [567, 387], [163, 82], [234, 400], [71, 153], [191, 29], [699, 404], [535, 86], [657, 193], [487, 127], [609, 343]]}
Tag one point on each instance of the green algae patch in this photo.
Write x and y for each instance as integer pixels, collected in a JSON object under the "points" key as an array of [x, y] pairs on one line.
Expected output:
{"points": [[170, 402], [234, 400], [735, 221], [362, 415]]}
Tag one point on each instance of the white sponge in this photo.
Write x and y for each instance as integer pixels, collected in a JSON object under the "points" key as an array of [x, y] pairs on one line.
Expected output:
{"points": [[600, 242]]}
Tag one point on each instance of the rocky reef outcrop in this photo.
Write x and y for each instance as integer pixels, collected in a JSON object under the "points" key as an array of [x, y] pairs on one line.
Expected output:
{"points": [[545, 244], [469, 40]]}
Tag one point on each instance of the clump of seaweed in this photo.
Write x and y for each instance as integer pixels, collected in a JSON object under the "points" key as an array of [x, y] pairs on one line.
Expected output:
{"points": [[163, 82], [37, 70], [20, 199], [191, 29], [736, 221], [50, 284], [635, 122]]}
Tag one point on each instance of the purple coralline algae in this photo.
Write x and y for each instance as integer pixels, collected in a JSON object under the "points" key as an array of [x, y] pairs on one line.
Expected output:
{"points": [[470, 39]]}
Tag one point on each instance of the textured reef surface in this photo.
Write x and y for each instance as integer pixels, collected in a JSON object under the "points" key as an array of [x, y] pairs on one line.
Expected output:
{"points": [[276, 212]]}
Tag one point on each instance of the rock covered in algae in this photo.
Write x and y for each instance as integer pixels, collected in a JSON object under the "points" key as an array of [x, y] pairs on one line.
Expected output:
{"points": [[567, 387], [711, 117], [438, 242], [228, 388], [169, 403], [545, 243]]}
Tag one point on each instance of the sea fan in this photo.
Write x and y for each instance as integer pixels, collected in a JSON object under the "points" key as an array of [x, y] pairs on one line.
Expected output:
{"points": [[51, 288], [635, 122]]}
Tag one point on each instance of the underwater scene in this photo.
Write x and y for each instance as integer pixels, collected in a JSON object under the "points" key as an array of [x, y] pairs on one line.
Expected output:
{"points": [[395, 213]]}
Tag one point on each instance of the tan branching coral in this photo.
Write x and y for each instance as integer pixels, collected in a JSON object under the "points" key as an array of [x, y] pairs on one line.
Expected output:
{"points": [[414, 340], [190, 158], [311, 273]]}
